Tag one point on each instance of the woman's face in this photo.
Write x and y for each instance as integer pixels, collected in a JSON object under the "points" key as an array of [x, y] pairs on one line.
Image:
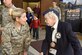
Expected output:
{"points": [[23, 19]]}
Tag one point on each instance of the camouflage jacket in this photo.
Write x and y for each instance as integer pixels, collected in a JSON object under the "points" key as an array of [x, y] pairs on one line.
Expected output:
{"points": [[1, 7], [6, 18], [14, 40]]}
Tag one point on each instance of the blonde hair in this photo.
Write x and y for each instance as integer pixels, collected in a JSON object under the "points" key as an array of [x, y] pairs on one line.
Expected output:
{"points": [[17, 12], [29, 9]]}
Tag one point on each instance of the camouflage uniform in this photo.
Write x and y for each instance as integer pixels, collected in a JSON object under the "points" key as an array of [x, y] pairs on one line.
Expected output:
{"points": [[6, 18], [14, 41], [1, 7]]}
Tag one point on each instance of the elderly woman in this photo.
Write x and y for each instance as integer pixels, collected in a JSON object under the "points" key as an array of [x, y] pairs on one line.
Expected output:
{"points": [[16, 35], [60, 39]]}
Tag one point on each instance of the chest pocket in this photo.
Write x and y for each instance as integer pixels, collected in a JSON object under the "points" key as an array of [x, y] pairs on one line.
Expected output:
{"points": [[16, 37], [14, 33], [24, 30]]}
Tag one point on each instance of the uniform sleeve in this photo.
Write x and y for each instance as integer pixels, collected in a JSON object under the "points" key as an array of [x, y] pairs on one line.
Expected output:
{"points": [[73, 40], [6, 42], [0, 17], [1, 13], [27, 38]]}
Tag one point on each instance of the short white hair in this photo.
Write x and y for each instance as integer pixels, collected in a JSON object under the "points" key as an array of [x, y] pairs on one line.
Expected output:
{"points": [[50, 15]]}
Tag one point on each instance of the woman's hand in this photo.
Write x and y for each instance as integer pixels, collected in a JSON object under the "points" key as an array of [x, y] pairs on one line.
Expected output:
{"points": [[25, 52]]}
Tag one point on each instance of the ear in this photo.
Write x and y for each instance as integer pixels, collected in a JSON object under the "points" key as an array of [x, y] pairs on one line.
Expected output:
{"points": [[17, 18]]}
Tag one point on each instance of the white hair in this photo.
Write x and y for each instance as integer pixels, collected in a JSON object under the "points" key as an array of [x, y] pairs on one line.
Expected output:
{"points": [[51, 15]]}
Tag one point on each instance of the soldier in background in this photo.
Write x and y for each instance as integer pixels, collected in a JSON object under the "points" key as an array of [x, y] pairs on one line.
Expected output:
{"points": [[6, 18], [55, 7], [1, 6], [16, 35]]}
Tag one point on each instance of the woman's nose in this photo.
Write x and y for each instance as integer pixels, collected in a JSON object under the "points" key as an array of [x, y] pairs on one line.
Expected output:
{"points": [[25, 18]]}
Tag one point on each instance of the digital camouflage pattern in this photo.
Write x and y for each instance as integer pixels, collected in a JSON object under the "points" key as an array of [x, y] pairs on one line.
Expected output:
{"points": [[1, 7], [6, 18], [14, 41]]}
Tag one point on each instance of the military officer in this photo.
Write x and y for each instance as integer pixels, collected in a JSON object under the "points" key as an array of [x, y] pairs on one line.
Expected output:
{"points": [[6, 18], [4, 15], [16, 35], [0, 17]]}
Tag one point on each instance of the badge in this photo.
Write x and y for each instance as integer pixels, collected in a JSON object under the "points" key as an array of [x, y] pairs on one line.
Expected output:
{"points": [[53, 51], [58, 35]]}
